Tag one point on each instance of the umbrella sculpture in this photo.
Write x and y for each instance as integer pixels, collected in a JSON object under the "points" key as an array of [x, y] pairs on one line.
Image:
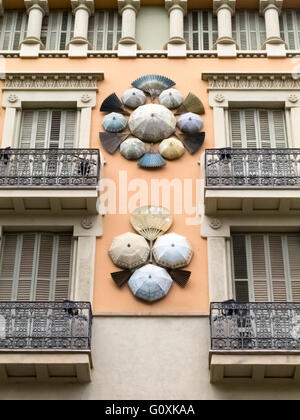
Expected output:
{"points": [[150, 283], [132, 98], [172, 251], [171, 148], [190, 123], [129, 250]]}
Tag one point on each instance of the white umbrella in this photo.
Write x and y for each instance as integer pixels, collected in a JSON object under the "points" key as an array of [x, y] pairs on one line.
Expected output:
{"points": [[133, 98], [172, 251], [171, 98], [129, 250], [190, 123], [152, 123], [150, 283]]}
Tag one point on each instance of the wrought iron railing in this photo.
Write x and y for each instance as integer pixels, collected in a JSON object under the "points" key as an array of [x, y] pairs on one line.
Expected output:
{"points": [[262, 168], [49, 168], [45, 326], [255, 326]]}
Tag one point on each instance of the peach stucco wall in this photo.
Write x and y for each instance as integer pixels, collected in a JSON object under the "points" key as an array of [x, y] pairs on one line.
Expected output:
{"points": [[118, 74]]}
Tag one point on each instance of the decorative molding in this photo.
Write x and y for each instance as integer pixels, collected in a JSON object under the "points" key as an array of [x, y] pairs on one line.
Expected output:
{"points": [[50, 81], [256, 81], [293, 98], [87, 222], [224, 3], [219, 98], [263, 4], [13, 98], [133, 4], [215, 223], [86, 98], [182, 4], [43, 4], [87, 4]]}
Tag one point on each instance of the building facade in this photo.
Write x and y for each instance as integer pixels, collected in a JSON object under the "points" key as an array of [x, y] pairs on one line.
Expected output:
{"points": [[66, 330]]}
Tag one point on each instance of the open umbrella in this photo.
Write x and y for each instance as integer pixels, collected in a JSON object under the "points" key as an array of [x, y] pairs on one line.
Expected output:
{"points": [[114, 122], [132, 148], [129, 250], [171, 98], [171, 148], [172, 251], [133, 98], [190, 123], [152, 123], [150, 283]]}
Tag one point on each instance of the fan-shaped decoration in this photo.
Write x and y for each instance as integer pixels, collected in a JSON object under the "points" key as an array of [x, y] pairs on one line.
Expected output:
{"points": [[190, 123], [150, 283], [172, 251], [114, 122], [132, 148], [171, 98], [121, 277], [113, 104], [111, 142], [152, 160], [153, 84], [171, 148], [132, 98], [181, 277], [191, 104], [152, 123], [192, 142]]}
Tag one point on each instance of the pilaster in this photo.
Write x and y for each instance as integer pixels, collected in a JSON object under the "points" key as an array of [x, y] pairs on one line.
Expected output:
{"points": [[225, 44], [128, 9], [79, 45], [274, 45], [177, 10]]}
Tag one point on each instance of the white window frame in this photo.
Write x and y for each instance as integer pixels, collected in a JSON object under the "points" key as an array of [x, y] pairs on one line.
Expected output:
{"points": [[188, 34], [4, 23], [57, 30], [116, 31], [284, 30], [237, 30]]}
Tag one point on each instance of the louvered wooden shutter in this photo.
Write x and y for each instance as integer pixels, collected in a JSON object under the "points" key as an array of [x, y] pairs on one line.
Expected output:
{"points": [[57, 29], [258, 128], [13, 29], [268, 265], [200, 29], [290, 28], [36, 266], [248, 29], [104, 29]]}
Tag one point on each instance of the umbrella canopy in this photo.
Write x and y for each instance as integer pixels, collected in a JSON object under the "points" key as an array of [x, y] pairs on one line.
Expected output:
{"points": [[172, 251], [132, 148], [190, 123], [152, 123], [114, 122], [150, 283], [171, 98], [132, 98], [171, 148], [129, 250]]}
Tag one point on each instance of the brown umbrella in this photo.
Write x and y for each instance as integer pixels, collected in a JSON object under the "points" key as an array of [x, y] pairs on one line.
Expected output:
{"points": [[129, 250]]}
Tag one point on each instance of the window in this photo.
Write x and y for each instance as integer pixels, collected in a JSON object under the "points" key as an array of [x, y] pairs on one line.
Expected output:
{"points": [[290, 28], [104, 29], [47, 129], [57, 29], [200, 29], [257, 128], [248, 29], [266, 267], [13, 29], [35, 267]]}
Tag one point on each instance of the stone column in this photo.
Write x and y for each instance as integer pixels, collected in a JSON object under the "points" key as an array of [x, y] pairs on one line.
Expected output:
{"points": [[79, 45], [226, 45], [176, 45], [128, 9], [32, 44], [274, 45]]}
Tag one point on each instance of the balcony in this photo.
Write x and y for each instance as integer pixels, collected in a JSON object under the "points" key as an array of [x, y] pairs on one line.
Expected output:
{"points": [[255, 341], [49, 180], [45, 341], [252, 180]]}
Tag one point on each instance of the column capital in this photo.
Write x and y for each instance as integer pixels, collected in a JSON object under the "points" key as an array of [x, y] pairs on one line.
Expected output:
{"points": [[41, 4], [132, 4], [265, 4], [170, 4], [84, 4], [1, 8], [229, 4]]}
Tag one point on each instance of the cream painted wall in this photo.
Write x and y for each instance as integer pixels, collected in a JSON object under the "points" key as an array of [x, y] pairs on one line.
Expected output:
{"points": [[126, 367], [148, 37]]}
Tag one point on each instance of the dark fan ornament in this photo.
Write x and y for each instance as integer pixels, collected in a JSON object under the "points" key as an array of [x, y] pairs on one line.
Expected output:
{"points": [[121, 277], [191, 104], [113, 104], [181, 277], [111, 141], [153, 84], [192, 142]]}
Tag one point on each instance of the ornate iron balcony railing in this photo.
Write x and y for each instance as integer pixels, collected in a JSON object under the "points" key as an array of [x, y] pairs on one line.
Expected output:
{"points": [[49, 168], [43, 326], [255, 326], [263, 168]]}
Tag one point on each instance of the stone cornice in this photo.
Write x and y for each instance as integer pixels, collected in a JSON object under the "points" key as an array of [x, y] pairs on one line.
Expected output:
{"points": [[52, 81], [43, 4], [254, 81]]}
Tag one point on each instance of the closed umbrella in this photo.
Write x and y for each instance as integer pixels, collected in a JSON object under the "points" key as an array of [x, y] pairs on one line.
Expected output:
{"points": [[171, 148], [132, 148], [171, 98], [129, 250], [132, 98], [114, 122], [150, 283], [190, 123], [152, 123], [172, 251]]}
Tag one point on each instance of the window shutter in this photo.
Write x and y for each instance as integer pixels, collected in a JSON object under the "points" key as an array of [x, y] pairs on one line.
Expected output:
{"points": [[105, 29], [265, 129], [13, 26], [277, 268], [26, 130], [236, 130], [279, 128], [7, 269], [63, 270], [290, 28], [258, 263], [200, 29], [41, 119], [240, 269], [248, 29], [27, 264], [293, 242], [69, 129], [44, 268], [57, 29]]}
